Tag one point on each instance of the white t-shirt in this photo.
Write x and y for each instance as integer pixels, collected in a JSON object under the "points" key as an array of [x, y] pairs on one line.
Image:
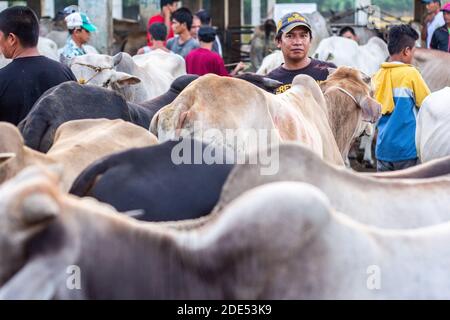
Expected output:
{"points": [[437, 22]]}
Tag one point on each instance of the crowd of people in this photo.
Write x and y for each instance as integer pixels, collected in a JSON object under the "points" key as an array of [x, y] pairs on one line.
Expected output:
{"points": [[399, 86]]}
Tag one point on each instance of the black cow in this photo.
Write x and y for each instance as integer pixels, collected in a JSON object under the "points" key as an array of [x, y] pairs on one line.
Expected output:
{"points": [[153, 179], [72, 101]]}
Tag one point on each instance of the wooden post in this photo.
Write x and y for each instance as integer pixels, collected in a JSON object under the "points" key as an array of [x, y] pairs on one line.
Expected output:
{"points": [[35, 5], [419, 10], [100, 14]]}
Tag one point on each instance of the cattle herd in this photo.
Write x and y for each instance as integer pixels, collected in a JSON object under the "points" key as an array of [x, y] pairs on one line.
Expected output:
{"points": [[149, 183]]}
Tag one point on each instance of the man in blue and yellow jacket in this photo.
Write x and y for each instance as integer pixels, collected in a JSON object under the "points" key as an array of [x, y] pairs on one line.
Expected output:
{"points": [[400, 89]]}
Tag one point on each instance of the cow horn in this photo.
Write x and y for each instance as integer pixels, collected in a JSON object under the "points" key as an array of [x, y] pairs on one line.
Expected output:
{"points": [[6, 156]]}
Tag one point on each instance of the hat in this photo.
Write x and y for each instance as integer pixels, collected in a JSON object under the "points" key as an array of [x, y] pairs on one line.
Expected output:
{"points": [[79, 20], [292, 20], [430, 1], [206, 34], [446, 7]]}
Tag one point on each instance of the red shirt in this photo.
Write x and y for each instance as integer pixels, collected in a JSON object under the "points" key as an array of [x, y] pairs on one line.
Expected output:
{"points": [[202, 61], [157, 19]]}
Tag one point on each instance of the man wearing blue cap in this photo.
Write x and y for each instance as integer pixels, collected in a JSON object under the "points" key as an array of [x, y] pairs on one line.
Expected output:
{"points": [[80, 28], [433, 20], [294, 34]]}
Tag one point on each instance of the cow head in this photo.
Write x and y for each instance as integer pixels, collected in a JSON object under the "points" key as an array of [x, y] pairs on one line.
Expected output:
{"points": [[28, 204], [358, 87], [349, 102], [101, 70]]}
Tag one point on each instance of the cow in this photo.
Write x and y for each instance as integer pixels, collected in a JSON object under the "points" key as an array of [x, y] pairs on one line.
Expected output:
{"points": [[77, 144], [346, 52], [122, 74], [161, 60], [271, 62], [158, 180], [433, 126], [300, 114], [356, 195], [430, 64], [237, 256]]}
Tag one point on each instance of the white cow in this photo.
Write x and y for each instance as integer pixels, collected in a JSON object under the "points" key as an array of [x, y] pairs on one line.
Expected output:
{"points": [[122, 74], [271, 62], [383, 203], [346, 52], [433, 126], [161, 60]]}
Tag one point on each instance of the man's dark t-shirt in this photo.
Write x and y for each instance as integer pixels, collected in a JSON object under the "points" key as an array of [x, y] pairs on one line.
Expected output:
{"points": [[317, 69], [24, 80]]}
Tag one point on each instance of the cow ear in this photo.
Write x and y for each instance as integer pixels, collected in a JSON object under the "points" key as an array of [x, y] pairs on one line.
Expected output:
{"points": [[371, 110], [124, 79], [117, 59], [154, 124], [6, 156], [39, 207]]}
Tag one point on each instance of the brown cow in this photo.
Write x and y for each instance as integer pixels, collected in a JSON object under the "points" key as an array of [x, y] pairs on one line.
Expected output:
{"points": [[348, 93]]}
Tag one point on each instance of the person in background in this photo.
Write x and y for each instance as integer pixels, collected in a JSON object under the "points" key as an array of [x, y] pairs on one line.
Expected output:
{"points": [[202, 18], [349, 33], [158, 33], [203, 60], [183, 43], [294, 35], [263, 42], [400, 89], [29, 75], [80, 28], [441, 37], [167, 8], [433, 20]]}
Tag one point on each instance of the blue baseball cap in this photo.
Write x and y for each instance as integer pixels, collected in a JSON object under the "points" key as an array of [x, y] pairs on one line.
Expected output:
{"points": [[430, 1], [291, 20]]}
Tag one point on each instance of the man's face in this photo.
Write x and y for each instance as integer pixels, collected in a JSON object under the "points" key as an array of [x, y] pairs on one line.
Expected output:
{"points": [[82, 35], [295, 44], [178, 27], [447, 17], [433, 7], [8, 43], [349, 35], [196, 23]]}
